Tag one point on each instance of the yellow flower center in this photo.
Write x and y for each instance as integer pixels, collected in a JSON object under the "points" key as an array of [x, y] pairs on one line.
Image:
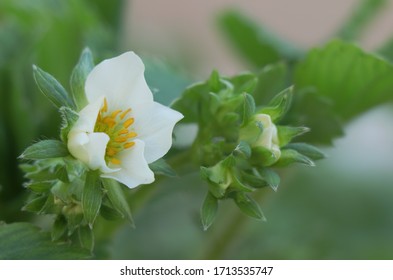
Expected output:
{"points": [[119, 129]]}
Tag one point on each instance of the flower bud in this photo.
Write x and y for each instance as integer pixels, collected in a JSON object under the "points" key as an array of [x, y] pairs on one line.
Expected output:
{"points": [[261, 132]]}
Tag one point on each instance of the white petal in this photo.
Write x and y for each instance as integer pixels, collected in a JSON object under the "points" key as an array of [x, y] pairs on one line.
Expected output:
{"points": [[121, 80], [88, 117], [154, 124], [134, 168], [185, 135], [90, 149]]}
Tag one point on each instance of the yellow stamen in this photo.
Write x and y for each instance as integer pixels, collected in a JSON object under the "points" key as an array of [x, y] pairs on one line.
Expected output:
{"points": [[109, 121], [128, 122], [121, 139], [111, 152], [132, 135], [129, 145], [115, 161], [123, 131], [122, 116], [105, 107], [115, 113]]}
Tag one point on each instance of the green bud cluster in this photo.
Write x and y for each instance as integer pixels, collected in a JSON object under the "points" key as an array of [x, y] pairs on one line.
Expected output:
{"points": [[240, 144]]}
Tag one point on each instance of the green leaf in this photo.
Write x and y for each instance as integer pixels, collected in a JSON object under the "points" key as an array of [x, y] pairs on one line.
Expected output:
{"points": [[279, 105], [91, 197], [259, 46], [162, 167], [243, 83], [272, 78], [315, 111], [190, 102], [45, 149], [287, 133], [363, 15], [209, 210], [69, 117], [116, 196], [165, 81], [248, 206], [308, 150], [248, 108], [23, 241], [289, 156], [59, 227], [352, 79], [271, 177], [52, 89], [386, 50], [86, 237], [78, 78]]}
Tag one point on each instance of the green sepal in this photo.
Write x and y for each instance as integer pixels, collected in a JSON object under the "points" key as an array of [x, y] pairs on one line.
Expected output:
{"points": [[61, 191], [308, 150], [209, 210], [248, 108], [248, 206], [78, 78], [289, 156], [62, 174], [69, 118], [271, 178], [243, 149], [214, 81], [279, 105], [74, 215], [251, 132], [262, 156], [91, 197], [59, 228], [86, 238], [287, 133], [116, 197], [39, 187], [162, 167], [239, 185], [254, 179], [45, 149], [42, 174], [219, 176], [52, 89], [35, 205], [109, 213]]}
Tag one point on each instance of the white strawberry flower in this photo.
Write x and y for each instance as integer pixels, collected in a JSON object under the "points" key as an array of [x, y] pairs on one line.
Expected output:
{"points": [[122, 129]]}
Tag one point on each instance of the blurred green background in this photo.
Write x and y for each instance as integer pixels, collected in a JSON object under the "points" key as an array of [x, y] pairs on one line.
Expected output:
{"points": [[340, 209]]}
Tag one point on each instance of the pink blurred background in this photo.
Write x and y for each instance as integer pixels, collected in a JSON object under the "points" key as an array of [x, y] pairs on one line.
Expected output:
{"points": [[185, 28]]}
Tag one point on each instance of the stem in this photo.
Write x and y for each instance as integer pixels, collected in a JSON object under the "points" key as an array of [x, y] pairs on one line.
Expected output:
{"points": [[217, 248], [221, 243]]}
